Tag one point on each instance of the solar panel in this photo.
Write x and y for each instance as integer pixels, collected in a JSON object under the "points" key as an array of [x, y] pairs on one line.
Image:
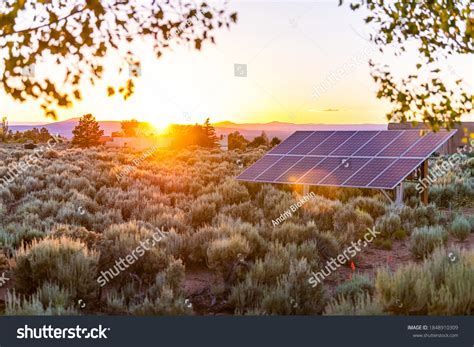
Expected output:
{"points": [[299, 169], [365, 159], [317, 173], [382, 140], [368, 172], [317, 138], [331, 143], [357, 141], [257, 168], [277, 169], [290, 142]]}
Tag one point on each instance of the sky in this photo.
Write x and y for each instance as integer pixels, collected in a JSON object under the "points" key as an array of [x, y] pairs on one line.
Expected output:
{"points": [[303, 61]]}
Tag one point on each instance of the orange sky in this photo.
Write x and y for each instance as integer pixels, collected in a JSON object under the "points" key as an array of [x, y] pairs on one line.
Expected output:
{"points": [[306, 63]]}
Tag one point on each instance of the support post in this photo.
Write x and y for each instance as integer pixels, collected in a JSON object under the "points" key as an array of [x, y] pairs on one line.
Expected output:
{"points": [[386, 195], [305, 189], [424, 175], [399, 194]]}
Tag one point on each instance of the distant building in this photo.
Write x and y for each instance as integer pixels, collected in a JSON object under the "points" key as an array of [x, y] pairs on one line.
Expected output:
{"points": [[464, 129], [104, 139]]}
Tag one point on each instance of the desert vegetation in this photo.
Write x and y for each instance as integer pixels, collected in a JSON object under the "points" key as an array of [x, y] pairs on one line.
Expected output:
{"points": [[70, 219]]}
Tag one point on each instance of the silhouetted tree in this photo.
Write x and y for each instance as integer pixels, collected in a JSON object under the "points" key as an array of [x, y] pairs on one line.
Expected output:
{"points": [[210, 138], [194, 135], [130, 127], [87, 133], [261, 140], [4, 129], [235, 140], [275, 141]]}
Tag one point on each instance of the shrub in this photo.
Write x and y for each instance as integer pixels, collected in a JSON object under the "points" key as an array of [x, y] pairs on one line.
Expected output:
{"points": [[63, 261], [460, 228], [327, 245], [4, 264], [375, 208], [362, 305], [441, 285], [166, 296], [424, 240], [245, 211], [359, 284], [290, 232], [321, 211], [222, 253], [388, 225], [399, 235], [233, 192], [347, 216], [89, 238], [120, 241], [274, 287], [202, 213], [22, 306], [198, 242]]}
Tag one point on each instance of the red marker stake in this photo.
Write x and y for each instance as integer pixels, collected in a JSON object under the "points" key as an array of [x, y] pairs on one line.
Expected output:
{"points": [[353, 269]]}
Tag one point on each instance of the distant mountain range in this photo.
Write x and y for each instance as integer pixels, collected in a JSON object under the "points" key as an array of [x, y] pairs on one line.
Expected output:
{"points": [[283, 130], [248, 130], [64, 128]]}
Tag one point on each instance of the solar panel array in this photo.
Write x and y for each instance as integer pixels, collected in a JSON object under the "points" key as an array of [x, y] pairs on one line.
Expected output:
{"points": [[362, 159]]}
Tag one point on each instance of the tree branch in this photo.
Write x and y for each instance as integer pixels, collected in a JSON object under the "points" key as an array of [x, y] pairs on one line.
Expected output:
{"points": [[48, 24]]}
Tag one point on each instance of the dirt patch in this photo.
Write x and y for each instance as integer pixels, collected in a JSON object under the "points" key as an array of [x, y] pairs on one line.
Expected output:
{"points": [[371, 258], [204, 289]]}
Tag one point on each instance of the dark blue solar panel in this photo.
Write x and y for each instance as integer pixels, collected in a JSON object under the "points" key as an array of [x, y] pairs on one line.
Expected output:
{"points": [[278, 168], [373, 168], [378, 143], [316, 174], [311, 142], [299, 169], [290, 142], [428, 144], [258, 167], [347, 168], [390, 177], [354, 143], [334, 158], [402, 144], [332, 143]]}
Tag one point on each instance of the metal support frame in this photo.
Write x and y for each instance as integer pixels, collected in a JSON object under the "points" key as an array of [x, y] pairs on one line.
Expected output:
{"points": [[424, 175], [305, 189], [399, 194], [386, 195]]}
